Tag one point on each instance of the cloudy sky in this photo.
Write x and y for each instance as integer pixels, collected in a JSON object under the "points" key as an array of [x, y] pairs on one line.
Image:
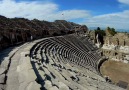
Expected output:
{"points": [[93, 13]]}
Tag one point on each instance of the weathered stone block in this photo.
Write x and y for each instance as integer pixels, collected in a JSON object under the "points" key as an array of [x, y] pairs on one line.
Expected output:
{"points": [[62, 86], [53, 88], [33, 86], [2, 70], [2, 78], [48, 84], [1, 87]]}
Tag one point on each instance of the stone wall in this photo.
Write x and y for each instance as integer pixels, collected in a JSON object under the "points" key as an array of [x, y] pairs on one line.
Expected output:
{"points": [[114, 47], [117, 47]]}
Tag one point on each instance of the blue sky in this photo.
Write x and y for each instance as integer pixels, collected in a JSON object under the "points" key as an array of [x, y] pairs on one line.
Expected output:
{"points": [[93, 13]]}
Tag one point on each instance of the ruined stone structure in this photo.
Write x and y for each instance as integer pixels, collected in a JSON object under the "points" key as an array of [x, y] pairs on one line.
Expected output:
{"points": [[117, 47], [114, 47], [65, 62], [19, 30]]}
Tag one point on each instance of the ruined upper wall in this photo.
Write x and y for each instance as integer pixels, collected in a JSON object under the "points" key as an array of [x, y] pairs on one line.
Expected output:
{"points": [[16, 30], [121, 39]]}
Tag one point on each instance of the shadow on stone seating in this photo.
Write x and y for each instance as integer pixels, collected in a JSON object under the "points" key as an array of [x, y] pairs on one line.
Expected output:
{"points": [[39, 78], [47, 60], [5, 53]]}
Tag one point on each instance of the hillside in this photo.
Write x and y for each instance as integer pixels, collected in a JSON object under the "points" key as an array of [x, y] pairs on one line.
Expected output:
{"points": [[19, 30]]}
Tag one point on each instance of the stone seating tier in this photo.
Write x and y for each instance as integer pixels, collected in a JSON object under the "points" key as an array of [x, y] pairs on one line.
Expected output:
{"points": [[63, 62], [55, 63]]}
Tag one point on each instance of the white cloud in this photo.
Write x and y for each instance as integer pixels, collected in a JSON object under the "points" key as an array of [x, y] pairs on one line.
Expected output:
{"points": [[40, 10], [117, 20], [69, 14], [124, 1], [50, 11], [30, 10]]}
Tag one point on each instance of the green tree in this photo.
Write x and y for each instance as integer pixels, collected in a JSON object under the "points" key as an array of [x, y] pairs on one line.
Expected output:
{"points": [[111, 31], [108, 28], [98, 28], [100, 32]]}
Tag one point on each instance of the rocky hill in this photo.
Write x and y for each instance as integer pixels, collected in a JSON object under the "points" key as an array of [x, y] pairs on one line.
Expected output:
{"points": [[17, 30]]}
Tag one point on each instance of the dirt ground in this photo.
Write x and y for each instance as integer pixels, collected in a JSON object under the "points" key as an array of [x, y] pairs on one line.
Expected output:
{"points": [[116, 71]]}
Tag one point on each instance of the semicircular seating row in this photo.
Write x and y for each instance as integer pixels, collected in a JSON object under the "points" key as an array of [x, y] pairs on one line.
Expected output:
{"points": [[66, 63]]}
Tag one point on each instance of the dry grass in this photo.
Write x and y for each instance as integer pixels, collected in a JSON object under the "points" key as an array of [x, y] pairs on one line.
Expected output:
{"points": [[116, 71]]}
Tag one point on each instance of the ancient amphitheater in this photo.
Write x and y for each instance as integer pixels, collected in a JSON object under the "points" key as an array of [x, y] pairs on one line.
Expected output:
{"points": [[65, 62]]}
